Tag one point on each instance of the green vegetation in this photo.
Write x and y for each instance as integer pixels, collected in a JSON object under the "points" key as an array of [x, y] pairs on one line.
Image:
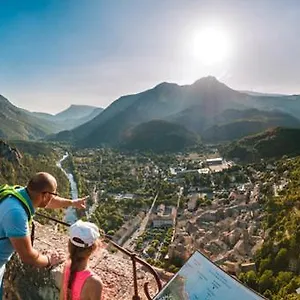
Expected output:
{"points": [[111, 213], [271, 144], [159, 136], [153, 245], [17, 123], [126, 183], [278, 261], [31, 163], [234, 124], [20, 124]]}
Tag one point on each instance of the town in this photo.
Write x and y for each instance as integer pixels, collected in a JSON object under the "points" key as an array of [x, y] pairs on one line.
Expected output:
{"points": [[166, 207]]}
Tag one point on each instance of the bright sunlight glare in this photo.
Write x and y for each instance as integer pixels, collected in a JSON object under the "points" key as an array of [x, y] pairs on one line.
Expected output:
{"points": [[211, 46]]}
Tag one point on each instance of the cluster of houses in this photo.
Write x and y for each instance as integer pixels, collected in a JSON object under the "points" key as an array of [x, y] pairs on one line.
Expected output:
{"points": [[228, 231]]}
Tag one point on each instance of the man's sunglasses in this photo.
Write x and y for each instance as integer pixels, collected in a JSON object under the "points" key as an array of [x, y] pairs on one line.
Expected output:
{"points": [[54, 194]]}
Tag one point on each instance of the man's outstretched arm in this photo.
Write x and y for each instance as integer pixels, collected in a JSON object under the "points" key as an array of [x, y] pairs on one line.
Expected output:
{"points": [[59, 202]]}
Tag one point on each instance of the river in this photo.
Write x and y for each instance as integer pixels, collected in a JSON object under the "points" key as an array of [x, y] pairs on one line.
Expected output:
{"points": [[70, 216]]}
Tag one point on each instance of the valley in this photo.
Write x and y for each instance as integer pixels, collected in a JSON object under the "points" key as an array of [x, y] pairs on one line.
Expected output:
{"points": [[176, 169], [201, 202]]}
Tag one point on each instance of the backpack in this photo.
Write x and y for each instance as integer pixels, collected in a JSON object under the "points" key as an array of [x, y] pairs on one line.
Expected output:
{"points": [[11, 190]]}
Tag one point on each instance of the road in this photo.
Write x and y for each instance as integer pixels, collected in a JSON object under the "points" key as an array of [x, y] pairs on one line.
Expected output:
{"points": [[92, 208], [179, 196], [95, 194], [129, 244]]}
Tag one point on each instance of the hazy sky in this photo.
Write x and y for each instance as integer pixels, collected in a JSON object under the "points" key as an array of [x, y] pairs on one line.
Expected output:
{"points": [[57, 53]]}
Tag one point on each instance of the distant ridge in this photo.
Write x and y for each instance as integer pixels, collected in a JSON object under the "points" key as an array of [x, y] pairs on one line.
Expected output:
{"points": [[75, 112], [252, 93], [234, 124], [199, 108], [17, 123], [273, 143], [159, 136], [209, 108], [20, 124], [73, 116]]}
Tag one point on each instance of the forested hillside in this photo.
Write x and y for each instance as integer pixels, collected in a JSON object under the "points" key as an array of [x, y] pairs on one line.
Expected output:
{"points": [[36, 157], [272, 143], [278, 261], [159, 136]]}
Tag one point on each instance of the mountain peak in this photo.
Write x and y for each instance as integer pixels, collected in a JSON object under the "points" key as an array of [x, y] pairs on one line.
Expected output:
{"points": [[207, 80], [81, 106], [164, 85], [211, 83], [3, 99], [75, 111]]}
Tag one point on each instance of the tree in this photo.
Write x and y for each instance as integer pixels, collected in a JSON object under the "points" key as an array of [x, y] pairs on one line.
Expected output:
{"points": [[250, 278], [282, 279], [266, 281], [264, 264], [151, 250], [281, 259]]}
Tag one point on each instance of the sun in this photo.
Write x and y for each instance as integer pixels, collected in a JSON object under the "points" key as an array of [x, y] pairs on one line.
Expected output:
{"points": [[211, 45]]}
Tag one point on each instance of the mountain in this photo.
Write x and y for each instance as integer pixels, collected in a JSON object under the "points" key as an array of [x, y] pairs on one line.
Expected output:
{"points": [[288, 104], [273, 143], [17, 123], [234, 124], [159, 136], [125, 113], [72, 117], [252, 93], [196, 107], [20, 124], [165, 101], [75, 112], [95, 112]]}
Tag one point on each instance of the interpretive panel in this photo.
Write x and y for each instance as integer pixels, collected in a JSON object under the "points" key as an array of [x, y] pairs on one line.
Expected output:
{"points": [[200, 279]]}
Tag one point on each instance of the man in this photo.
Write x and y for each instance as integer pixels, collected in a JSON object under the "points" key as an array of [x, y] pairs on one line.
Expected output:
{"points": [[14, 229]]}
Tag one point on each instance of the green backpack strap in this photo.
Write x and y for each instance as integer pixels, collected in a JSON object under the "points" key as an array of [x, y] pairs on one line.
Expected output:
{"points": [[11, 190]]}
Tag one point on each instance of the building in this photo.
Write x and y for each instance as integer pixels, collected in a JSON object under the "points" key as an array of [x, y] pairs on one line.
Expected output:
{"points": [[164, 216], [238, 196], [192, 203], [127, 229], [214, 161], [246, 267]]}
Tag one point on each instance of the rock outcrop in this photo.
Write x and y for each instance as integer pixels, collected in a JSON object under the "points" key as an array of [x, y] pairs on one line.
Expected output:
{"points": [[25, 282], [9, 153]]}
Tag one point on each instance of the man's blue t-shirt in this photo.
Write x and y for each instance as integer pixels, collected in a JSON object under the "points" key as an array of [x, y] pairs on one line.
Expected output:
{"points": [[13, 223]]}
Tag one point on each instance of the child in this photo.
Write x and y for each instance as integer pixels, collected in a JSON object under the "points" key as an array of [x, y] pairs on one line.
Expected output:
{"points": [[79, 282]]}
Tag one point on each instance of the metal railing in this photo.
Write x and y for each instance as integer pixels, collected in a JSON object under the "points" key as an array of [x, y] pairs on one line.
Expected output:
{"points": [[134, 259]]}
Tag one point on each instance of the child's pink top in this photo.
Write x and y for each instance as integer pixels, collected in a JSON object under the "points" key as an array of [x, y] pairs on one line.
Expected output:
{"points": [[78, 282]]}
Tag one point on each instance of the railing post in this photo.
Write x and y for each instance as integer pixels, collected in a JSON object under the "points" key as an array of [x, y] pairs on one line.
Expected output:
{"points": [[135, 286]]}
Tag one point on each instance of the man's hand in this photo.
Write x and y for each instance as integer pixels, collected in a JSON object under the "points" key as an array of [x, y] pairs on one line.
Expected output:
{"points": [[58, 202], [56, 257], [80, 203]]}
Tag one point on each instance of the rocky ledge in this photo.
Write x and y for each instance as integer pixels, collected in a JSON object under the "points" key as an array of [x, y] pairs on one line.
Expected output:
{"points": [[25, 282], [9, 153]]}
